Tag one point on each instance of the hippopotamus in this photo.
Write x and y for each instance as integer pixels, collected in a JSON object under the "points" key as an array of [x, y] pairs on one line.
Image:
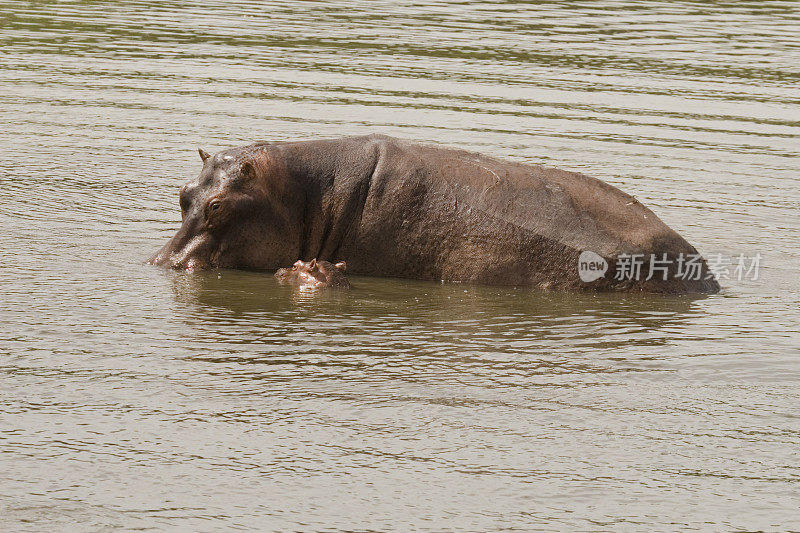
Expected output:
{"points": [[396, 208], [313, 275]]}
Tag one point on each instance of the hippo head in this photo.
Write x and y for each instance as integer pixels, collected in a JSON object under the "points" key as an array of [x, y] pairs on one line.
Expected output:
{"points": [[240, 212], [313, 275]]}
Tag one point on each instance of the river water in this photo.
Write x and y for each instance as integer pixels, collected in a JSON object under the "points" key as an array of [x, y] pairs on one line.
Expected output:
{"points": [[139, 399]]}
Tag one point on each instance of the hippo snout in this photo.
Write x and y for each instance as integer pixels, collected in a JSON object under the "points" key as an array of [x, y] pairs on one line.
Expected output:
{"points": [[185, 252]]}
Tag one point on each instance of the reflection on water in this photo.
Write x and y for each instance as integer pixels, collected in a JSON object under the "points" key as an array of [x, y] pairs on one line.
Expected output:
{"points": [[449, 326], [134, 398]]}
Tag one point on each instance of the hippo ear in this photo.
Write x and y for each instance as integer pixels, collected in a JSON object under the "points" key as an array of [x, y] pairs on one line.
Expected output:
{"points": [[248, 170], [203, 154], [313, 264], [341, 265]]}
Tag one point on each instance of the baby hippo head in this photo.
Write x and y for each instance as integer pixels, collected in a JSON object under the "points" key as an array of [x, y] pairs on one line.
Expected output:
{"points": [[314, 275]]}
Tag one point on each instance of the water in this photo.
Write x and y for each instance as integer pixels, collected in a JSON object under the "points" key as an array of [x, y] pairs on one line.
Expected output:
{"points": [[134, 398]]}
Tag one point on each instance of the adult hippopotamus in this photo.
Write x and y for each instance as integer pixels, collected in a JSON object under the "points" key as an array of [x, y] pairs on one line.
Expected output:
{"points": [[395, 208], [314, 275]]}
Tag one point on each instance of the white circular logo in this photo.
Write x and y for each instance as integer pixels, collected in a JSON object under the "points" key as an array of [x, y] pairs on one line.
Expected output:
{"points": [[591, 266]]}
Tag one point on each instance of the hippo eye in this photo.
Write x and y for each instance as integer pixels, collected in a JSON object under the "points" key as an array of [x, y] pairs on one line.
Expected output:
{"points": [[294, 267], [214, 205]]}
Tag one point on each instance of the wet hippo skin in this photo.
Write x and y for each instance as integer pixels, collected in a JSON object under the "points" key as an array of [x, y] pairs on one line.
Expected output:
{"points": [[396, 208]]}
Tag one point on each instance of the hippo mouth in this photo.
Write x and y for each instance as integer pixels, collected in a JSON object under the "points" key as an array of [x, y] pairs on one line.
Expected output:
{"points": [[199, 252]]}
